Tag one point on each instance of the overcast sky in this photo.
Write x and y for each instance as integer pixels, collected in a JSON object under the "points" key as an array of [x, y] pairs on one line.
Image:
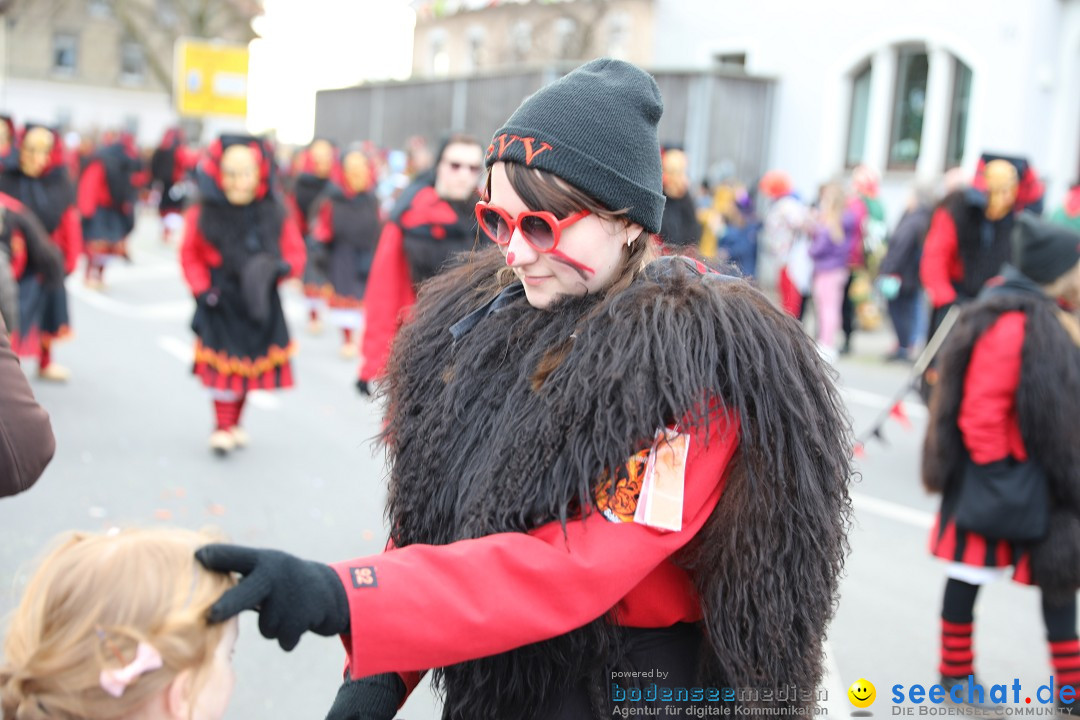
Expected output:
{"points": [[316, 44]]}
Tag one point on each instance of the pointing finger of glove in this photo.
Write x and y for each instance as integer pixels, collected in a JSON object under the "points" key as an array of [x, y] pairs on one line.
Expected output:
{"points": [[227, 558], [248, 594]]}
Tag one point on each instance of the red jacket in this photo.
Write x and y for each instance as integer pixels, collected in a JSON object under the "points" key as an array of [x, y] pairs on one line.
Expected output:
{"points": [[198, 256], [425, 606], [388, 300], [988, 420], [68, 237], [941, 264]]}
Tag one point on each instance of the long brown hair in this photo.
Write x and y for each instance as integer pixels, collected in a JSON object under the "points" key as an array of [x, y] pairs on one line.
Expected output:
{"points": [[92, 600]]}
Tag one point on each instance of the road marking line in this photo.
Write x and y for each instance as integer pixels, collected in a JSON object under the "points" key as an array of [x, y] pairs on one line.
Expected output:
{"points": [[880, 402], [893, 511], [156, 311], [179, 349]]}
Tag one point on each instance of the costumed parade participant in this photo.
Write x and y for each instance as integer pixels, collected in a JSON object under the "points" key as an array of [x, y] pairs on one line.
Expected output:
{"points": [[134, 646], [1069, 212], [680, 227], [346, 230], [25, 248], [784, 261], [40, 182], [8, 154], [431, 222], [239, 243], [1001, 448], [169, 166], [107, 195], [867, 247], [316, 166], [591, 471]]}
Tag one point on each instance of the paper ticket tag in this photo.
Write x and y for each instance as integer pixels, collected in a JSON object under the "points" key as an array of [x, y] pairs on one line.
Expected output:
{"points": [[663, 487]]}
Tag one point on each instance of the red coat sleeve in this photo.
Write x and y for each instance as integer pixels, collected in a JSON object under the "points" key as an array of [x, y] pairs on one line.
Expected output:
{"points": [[940, 255], [988, 420], [426, 606], [93, 189], [194, 257], [388, 297], [68, 237], [293, 250], [323, 228]]}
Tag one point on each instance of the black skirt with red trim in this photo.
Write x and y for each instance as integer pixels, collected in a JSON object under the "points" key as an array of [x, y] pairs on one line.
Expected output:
{"points": [[43, 316], [239, 353], [949, 542]]}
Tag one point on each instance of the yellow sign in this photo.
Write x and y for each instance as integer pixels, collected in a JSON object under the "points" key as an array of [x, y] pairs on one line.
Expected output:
{"points": [[210, 78]]}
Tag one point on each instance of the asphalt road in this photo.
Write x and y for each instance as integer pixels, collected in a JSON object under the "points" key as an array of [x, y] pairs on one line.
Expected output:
{"points": [[132, 429]]}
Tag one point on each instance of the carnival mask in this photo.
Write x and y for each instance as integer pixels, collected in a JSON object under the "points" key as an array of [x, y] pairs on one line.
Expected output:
{"points": [[239, 174], [37, 147]]}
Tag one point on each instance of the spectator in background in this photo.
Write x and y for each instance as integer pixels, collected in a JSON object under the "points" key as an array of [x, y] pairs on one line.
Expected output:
{"points": [[785, 262], [898, 276], [830, 248], [680, 227], [1069, 212], [868, 240], [739, 244]]}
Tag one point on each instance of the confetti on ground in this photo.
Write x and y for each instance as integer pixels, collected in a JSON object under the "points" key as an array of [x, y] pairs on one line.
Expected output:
{"points": [[163, 514], [180, 492], [367, 535], [215, 509], [97, 512]]}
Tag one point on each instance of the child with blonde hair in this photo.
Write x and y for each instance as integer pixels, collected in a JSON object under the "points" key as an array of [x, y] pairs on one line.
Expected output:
{"points": [[113, 627]]}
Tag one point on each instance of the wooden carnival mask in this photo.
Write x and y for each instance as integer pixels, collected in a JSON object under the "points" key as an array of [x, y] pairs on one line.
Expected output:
{"points": [[36, 150], [357, 172], [322, 158], [1002, 182], [239, 174]]}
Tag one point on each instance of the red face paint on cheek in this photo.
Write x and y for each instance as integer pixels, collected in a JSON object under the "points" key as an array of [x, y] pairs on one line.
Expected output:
{"points": [[509, 258], [584, 270]]}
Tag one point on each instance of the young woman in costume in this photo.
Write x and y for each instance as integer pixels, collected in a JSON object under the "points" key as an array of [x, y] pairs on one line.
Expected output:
{"points": [[600, 461]]}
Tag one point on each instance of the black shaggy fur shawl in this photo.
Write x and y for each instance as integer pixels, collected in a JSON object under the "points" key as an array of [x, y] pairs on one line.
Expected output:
{"points": [[480, 444], [1048, 405]]}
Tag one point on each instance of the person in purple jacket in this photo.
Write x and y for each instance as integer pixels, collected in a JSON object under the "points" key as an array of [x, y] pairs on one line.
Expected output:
{"points": [[829, 249]]}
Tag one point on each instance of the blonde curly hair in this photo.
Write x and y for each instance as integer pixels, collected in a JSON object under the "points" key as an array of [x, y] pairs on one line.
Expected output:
{"points": [[92, 600]]}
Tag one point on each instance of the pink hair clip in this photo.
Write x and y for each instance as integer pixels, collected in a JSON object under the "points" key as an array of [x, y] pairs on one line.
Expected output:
{"points": [[115, 681]]}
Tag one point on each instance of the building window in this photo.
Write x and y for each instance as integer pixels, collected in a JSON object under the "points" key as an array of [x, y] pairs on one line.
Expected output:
{"points": [[99, 8], [618, 44], [909, 102], [565, 30], [520, 40], [958, 116], [132, 62], [735, 61], [474, 50], [65, 56], [857, 117], [438, 54]]}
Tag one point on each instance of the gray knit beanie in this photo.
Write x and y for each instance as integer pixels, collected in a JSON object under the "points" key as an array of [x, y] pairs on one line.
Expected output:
{"points": [[596, 129]]}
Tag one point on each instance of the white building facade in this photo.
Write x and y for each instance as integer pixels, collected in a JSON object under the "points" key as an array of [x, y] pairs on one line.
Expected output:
{"points": [[911, 89]]}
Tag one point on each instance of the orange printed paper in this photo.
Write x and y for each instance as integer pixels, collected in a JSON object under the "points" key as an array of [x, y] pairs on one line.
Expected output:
{"points": [[663, 488]]}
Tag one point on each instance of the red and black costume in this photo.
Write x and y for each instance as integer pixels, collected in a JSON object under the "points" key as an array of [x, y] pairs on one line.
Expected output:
{"points": [[521, 574], [25, 244], [423, 232], [1008, 394], [307, 186], [346, 226], [107, 195], [51, 198], [169, 166], [233, 257]]}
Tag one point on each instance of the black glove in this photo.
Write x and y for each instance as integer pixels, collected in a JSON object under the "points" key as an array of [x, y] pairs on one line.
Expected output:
{"points": [[291, 595], [363, 388], [371, 698], [283, 269]]}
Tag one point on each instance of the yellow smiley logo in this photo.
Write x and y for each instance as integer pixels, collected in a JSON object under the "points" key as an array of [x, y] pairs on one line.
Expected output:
{"points": [[862, 693]]}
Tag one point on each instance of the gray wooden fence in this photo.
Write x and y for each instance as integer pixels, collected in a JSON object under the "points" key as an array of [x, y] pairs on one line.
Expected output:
{"points": [[722, 120]]}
